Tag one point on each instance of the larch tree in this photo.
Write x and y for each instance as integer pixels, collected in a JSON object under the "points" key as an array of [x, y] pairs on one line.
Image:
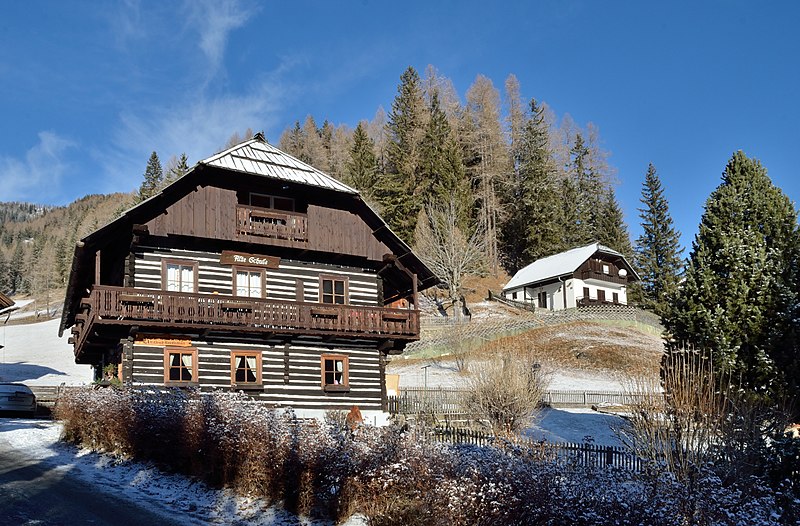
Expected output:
{"points": [[736, 300], [291, 140], [658, 252], [398, 190], [153, 177], [532, 229], [313, 150], [488, 161]]}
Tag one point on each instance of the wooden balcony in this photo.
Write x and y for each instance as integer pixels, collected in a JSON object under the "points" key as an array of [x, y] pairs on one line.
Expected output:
{"points": [[204, 313], [289, 227], [595, 275]]}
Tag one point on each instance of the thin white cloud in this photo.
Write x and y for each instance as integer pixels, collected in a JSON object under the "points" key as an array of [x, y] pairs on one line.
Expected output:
{"points": [[198, 128], [214, 20], [37, 177]]}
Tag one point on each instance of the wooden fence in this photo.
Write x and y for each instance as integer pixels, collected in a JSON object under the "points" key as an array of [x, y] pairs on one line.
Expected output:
{"points": [[450, 401], [563, 453]]}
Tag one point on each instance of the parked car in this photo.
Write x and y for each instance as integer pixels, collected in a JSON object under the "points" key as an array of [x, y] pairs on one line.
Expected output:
{"points": [[17, 398]]}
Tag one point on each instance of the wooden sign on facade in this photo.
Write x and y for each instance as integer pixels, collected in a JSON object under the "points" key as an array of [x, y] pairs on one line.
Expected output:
{"points": [[165, 342], [229, 257]]}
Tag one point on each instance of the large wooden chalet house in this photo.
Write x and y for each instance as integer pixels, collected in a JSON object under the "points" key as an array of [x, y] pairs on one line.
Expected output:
{"points": [[252, 272]]}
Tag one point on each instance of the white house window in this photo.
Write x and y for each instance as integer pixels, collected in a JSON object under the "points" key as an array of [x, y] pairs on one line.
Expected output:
{"points": [[249, 283], [180, 276], [606, 269]]}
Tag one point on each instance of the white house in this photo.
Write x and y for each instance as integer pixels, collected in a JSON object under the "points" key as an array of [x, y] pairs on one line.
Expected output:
{"points": [[589, 275]]}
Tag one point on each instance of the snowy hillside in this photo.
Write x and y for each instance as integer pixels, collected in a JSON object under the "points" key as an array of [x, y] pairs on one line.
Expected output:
{"points": [[34, 354]]}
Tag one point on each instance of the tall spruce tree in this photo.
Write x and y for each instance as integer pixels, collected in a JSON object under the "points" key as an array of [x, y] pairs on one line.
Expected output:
{"points": [[442, 172], [153, 176], [658, 252], [736, 298], [398, 189], [532, 227], [611, 229], [362, 167]]}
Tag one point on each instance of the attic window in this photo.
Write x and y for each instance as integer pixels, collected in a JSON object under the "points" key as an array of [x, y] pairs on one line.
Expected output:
{"points": [[606, 269], [272, 202]]}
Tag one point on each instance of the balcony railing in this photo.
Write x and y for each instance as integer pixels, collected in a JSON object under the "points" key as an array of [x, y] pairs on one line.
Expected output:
{"points": [[601, 276], [273, 224], [126, 306]]}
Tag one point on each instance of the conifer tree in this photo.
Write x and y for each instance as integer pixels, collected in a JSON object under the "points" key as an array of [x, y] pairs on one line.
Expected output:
{"points": [[532, 228], [612, 231], [735, 300], [658, 252], [441, 168], [397, 190], [153, 176], [362, 167], [176, 168]]}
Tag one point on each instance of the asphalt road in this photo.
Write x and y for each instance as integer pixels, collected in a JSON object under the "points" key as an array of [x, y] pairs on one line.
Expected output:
{"points": [[37, 492]]}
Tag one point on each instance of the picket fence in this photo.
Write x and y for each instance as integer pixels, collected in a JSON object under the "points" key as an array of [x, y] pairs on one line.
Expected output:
{"points": [[450, 401], [566, 454]]}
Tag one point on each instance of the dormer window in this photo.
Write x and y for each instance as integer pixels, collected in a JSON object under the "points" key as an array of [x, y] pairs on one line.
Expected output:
{"points": [[272, 202]]}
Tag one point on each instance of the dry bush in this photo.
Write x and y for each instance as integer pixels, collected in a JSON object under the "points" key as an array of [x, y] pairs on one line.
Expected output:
{"points": [[391, 476], [506, 391]]}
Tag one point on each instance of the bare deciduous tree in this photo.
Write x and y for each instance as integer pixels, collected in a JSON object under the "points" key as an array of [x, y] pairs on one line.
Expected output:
{"points": [[506, 391], [449, 252]]}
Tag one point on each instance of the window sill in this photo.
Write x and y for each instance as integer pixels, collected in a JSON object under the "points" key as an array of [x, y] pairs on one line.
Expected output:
{"points": [[336, 388], [181, 384], [247, 387]]}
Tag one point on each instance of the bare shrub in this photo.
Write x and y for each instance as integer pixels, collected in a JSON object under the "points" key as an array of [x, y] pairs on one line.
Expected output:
{"points": [[506, 391], [678, 424]]}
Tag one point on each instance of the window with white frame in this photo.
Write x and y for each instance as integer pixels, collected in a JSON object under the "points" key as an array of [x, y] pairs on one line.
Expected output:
{"points": [[180, 276], [249, 283]]}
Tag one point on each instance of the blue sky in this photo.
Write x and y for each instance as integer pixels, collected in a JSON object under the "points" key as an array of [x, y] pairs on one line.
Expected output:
{"points": [[89, 89]]}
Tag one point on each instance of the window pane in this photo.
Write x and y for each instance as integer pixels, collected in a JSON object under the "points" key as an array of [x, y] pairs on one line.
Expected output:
{"points": [[262, 201], [187, 279], [327, 286], [339, 287], [340, 300], [327, 298], [283, 203], [173, 282]]}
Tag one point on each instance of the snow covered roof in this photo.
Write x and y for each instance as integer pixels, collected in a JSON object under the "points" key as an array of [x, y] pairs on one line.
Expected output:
{"points": [[258, 157], [559, 265]]}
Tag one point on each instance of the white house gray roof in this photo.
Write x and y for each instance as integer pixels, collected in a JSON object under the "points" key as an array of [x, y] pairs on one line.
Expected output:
{"points": [[557, 265], [258, 157]]}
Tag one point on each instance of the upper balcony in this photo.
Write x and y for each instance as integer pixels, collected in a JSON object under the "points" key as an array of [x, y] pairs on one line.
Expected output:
{"points": [[290, 228], [594, 275], [203, 313]]}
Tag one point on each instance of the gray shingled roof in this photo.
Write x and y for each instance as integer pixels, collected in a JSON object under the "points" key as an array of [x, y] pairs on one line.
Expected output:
{"points": [[258, 157]]}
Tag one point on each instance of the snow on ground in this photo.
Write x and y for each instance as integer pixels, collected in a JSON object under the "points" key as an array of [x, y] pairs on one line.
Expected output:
{"points": [[575, 425], [145, 485], [443, 373], [34, 354]]}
